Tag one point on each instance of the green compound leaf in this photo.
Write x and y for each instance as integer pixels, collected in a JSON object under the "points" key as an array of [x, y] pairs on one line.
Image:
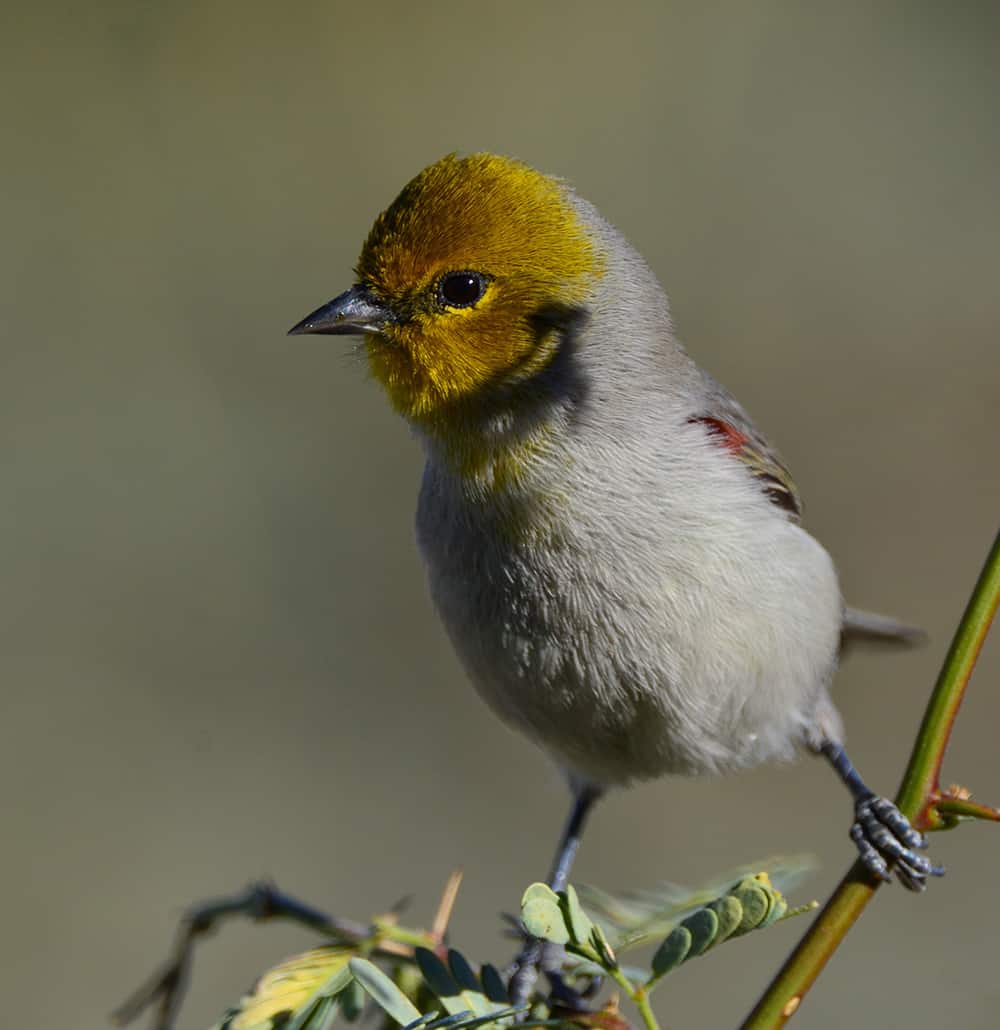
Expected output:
{"points": [[633, 917], [542, 915], [384, 992], [751, 904]]}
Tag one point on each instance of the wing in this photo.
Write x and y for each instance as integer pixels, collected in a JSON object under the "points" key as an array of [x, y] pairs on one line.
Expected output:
{"points": [[731, 427]]}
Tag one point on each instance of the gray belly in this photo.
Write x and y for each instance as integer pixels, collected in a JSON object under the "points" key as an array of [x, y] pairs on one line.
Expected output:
{"points": [[624, 664]]}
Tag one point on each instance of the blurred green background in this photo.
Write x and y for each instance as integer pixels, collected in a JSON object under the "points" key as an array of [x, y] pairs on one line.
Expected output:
{"points": [[218, 658]]}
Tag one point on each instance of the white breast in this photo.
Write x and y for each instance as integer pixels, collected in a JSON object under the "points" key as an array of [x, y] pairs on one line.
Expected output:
{"points": [[660, 616]]}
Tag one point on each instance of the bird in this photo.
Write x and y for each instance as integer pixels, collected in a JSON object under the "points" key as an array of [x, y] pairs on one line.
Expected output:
{"points": [[616, 552]]}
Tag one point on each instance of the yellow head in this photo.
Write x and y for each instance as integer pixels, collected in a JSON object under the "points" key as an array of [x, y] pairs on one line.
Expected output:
{"points": [[462, 280]]}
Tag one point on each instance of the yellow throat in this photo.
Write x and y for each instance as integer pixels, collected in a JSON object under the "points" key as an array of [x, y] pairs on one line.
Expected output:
{"points": [[514, 228]]}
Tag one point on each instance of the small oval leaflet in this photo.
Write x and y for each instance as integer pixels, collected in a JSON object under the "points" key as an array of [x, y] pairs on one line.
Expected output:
{"points": [[755, 903], [702, 925], [672, 952], [577, 921], [384, 992], [542, 916], [493, 985], [462, 971], [352, 1001], [439, 979], [729, 912], [778, 906]]}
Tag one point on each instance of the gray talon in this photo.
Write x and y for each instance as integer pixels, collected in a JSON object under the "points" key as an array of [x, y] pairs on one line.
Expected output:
{"points": [[913, 883], [887, 813], [890, 846], [882, 834], [872, 860]]}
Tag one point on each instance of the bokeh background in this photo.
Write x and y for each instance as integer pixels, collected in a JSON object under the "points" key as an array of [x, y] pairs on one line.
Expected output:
{"points": [[218, 659]]}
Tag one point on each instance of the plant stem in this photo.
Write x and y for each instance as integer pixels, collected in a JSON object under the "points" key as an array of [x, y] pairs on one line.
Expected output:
{"points": [[954, 809], [639, 996], [920, 786], [641, 999], [918, 796]]}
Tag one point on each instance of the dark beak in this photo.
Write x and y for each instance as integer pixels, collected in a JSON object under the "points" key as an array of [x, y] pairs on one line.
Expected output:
{"points": [[352, 313]]}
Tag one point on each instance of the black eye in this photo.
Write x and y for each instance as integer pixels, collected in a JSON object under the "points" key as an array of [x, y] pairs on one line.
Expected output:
{"points": [[461, 289]]}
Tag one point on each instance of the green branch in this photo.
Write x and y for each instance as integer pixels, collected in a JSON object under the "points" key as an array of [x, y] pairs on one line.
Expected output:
{"points": [[920, 799]]}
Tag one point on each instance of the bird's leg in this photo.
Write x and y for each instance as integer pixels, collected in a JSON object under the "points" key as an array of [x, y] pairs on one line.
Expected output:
{"points": [[881, 833], [526, 964], [583, 799]]}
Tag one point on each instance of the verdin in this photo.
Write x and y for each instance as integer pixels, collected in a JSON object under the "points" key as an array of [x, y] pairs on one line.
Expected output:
{"points": [[613, 547]]}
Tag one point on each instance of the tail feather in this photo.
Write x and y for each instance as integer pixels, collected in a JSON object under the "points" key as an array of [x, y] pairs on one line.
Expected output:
{"points": [[869, 627]]}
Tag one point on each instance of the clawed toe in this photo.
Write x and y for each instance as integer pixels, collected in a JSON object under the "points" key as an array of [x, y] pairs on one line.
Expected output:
{"points": [[886, 813], [883, 835]]}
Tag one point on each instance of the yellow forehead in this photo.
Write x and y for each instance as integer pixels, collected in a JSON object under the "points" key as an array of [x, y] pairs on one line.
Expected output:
{"points": [[479, 213]]}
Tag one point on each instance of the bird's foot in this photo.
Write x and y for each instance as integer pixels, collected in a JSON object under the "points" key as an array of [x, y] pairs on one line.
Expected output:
{"points": [[883, 835], [525, 972], [571, 999], [546, 957]]}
